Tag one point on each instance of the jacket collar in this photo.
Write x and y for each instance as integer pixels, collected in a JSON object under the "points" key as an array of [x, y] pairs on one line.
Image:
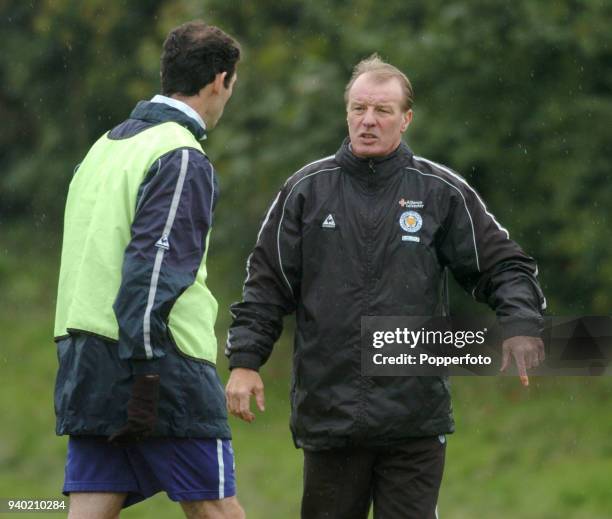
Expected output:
{"points": [[179, 105], [377, 169], [162, 113]]}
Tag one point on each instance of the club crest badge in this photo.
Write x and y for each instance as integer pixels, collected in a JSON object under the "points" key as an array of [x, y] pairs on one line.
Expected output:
{"points": [[411, 221]]}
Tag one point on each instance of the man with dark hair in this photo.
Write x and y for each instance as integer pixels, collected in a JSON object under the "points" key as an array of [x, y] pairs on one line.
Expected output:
{"points": [[193, 55], [137, 388], [370, 231]]}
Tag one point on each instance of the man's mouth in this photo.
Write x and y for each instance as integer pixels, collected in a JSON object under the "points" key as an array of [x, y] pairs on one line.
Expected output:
{"points": [[368, 136]]}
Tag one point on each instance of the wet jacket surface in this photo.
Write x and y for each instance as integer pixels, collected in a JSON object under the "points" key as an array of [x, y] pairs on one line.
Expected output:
{"points": [[162, 258], [349, 237]]}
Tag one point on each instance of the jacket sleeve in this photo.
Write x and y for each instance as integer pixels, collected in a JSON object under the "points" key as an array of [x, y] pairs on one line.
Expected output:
{"points": [[272, 284], [487, 263], [168, 239]]}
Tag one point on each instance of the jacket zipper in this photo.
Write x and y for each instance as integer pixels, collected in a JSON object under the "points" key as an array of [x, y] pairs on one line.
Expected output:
{"points": [[365, 382], [370, 234]]}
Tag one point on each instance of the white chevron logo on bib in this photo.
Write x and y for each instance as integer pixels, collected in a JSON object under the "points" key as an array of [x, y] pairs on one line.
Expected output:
{"points": [[329, 222]]}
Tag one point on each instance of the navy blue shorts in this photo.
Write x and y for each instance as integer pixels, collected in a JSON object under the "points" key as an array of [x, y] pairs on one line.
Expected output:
{"points": [[186, 469]]}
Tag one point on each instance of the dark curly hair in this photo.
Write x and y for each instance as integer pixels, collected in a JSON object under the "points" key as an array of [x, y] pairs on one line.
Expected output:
{"points": [[193, 54]]}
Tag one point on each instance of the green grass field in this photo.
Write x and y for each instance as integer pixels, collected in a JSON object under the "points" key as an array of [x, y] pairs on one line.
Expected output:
{"points": [[539, 453]]}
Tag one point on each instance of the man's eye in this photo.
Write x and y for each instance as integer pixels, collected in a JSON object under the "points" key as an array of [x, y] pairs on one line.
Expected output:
{"points": [[357, 108], [384, 110]]}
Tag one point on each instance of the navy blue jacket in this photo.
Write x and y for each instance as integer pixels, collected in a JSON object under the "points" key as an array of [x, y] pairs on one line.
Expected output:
{"points": [[93, 383]]}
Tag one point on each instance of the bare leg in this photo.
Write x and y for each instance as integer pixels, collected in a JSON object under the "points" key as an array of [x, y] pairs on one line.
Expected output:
{"points": [[95, 505], [227, 508]]}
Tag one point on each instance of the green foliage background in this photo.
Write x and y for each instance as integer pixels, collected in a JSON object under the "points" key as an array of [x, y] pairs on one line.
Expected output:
{"points": [[516, 96]]}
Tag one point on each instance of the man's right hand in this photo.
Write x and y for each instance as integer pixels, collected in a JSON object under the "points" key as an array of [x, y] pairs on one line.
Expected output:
{"points": [[241, 385]]}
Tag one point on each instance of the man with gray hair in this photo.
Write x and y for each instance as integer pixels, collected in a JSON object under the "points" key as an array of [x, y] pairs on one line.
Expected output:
{"points": [[370, 231]]}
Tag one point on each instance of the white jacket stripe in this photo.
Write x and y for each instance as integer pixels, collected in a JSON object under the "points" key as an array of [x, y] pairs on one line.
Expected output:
{"points": [[280, 223], [146, 325], [464, 204], [454, 175]]}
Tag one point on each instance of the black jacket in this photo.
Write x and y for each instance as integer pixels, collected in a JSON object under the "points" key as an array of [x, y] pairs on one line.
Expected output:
{"points": [[349, 237]]}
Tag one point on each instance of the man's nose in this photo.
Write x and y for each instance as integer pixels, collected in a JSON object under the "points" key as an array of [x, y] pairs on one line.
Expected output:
{"points": [[368, 118]]}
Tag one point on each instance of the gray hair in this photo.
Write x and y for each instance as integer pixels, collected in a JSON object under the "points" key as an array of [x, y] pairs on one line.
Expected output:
{"points": [[381, 72]]}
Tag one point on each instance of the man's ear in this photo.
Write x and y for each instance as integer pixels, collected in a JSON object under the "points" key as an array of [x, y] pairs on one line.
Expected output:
{"points": [[219, 82], [407, 120]]}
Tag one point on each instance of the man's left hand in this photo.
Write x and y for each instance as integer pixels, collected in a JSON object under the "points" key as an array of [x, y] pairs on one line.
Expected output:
{"points": [[528, 352]]}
